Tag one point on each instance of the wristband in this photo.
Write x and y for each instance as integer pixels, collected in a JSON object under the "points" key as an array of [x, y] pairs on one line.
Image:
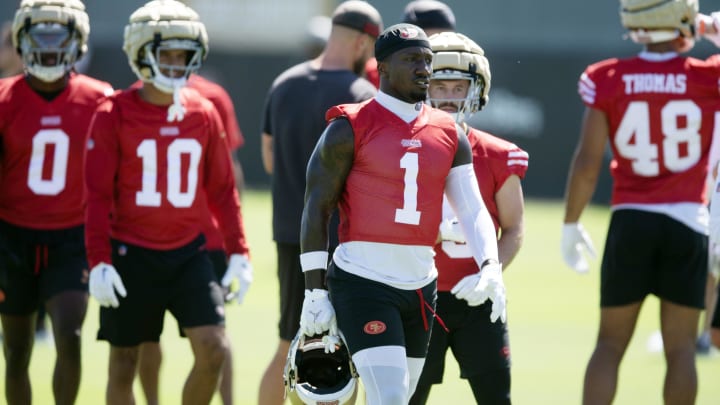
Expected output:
{"points": [[314, 260]]}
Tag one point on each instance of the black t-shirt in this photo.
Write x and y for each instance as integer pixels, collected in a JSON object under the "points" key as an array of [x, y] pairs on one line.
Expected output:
{"points": [[295, 117]]}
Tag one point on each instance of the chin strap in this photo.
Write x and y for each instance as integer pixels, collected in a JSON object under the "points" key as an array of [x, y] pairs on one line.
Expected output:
{"points": [[176, 111]]}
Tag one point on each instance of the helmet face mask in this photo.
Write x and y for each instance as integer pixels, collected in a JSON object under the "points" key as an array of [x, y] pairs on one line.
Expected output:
{"points": [[168, 76], [51, 35], [457, 57], [465, 106], [49, 50], [316, 377]]}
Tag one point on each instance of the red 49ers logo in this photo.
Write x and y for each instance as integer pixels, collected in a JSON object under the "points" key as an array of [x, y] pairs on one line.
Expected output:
{"points": [[374, 327]]}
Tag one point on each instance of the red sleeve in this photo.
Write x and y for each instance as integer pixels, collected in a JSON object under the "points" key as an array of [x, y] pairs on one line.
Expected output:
{"points": [[100, 169], [517, 162], [222, 195], [226, 109], [592, 85]]}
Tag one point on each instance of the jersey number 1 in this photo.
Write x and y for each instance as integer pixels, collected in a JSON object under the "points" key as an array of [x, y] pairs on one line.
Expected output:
{"points": [[409, 214]]}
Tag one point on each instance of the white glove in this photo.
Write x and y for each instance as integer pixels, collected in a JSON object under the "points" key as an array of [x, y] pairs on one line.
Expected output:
{"points": [[450, 230], [239, 268], [477, 288], [712, 33], [318, 314], [104, 280], [574, 239], [331, 340]]}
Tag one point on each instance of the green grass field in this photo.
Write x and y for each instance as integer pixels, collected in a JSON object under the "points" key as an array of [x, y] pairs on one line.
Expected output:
{"points": [[553, 315]]}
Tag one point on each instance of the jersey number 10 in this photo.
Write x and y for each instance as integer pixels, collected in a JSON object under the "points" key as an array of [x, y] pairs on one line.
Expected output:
{"points": [[149, 196]]}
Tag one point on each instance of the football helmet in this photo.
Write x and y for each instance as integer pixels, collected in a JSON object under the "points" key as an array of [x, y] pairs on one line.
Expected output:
{"points": [[319, 377], [457, 57], [162, 25], [652, 21], [50, 36]]}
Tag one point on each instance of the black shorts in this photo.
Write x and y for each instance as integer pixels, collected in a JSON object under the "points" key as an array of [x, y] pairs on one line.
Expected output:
{"points": [[372, 314], [38, 264], [181, 281], [650, 253], [478, 344], [218, 258], [292, 289]]}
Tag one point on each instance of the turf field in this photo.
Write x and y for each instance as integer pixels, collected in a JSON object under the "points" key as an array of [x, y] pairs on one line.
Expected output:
{"points": [[552, 314]]}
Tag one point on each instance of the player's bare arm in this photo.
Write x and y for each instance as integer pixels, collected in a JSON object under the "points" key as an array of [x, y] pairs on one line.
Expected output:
{"points": [[510, 203], [463, 156], [586, 164], [327, 170]]}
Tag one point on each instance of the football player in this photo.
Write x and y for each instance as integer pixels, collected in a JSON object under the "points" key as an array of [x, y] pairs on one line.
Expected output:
{"points": [[386, 164], [44, 117], [459, 85], [150, 352], [657, 111], [157, 162]]}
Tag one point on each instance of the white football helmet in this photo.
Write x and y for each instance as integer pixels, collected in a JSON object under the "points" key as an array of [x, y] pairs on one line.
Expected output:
{"points": [[317, 377], [50, 36], [651, 21], [164, 25], [457, 57]]}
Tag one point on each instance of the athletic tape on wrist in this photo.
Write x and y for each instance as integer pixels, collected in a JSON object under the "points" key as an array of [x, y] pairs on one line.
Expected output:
{"points": [[313, 260]]}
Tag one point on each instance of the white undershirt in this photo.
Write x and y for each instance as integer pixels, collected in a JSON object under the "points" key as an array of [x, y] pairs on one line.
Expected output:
{"points": [[406, 111]]}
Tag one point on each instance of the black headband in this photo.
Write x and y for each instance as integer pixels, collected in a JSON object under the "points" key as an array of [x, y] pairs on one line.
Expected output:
{"points": [[397, 37]]}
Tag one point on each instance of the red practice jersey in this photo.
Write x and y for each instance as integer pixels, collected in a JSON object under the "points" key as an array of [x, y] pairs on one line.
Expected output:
{"points": [[42, 150], [394, 191], [494, 160], [233, 136], [224, 105], [662, 116], [151, 182]]}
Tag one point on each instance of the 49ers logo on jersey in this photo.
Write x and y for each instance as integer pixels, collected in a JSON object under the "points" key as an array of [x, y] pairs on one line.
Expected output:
{"points": [[374, 327]]}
